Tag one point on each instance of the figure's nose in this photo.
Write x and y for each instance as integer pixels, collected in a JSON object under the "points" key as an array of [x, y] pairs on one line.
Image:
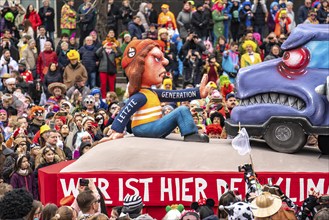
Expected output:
{"points": [[165, 62]]}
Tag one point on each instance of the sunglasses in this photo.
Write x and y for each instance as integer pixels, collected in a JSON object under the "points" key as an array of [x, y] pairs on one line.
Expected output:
{"points": [[89, 102], [47, 149]]}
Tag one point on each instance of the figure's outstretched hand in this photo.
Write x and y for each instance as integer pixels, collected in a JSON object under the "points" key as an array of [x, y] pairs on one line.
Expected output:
{"points": [[204, 89], [112, 135]]}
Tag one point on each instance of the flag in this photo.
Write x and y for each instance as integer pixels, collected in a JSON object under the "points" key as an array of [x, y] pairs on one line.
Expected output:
{"points": [[241, 142]]}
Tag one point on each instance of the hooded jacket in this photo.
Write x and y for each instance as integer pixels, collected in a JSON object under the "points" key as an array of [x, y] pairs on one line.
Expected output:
{"points": [[141, 13]]}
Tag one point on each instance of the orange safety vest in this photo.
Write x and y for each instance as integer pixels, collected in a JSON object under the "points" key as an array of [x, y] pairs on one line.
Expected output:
{"points": [[149, 112]]}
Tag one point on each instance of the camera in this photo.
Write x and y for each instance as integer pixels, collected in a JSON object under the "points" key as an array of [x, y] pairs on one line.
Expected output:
{"points": [[324, 199], [84, 182]]}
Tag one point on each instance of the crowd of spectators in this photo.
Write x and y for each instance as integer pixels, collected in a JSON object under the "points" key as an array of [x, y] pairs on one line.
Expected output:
{"points": [[58, 96]]}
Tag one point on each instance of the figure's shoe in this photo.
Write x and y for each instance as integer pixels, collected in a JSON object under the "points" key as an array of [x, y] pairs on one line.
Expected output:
{"points": [[196, 138]]}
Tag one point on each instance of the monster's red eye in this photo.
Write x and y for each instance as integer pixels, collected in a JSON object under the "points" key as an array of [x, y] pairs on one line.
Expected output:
{"points": [[296, 59], [294, 63]]}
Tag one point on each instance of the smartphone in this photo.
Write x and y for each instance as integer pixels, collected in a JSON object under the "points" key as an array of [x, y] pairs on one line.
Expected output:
{"points": [[52, 125], [84, 182], [199, 109], [216, 99]]}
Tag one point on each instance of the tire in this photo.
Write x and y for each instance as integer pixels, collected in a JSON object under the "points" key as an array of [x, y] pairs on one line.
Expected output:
{"points": [[323, 143], [285, 137]]}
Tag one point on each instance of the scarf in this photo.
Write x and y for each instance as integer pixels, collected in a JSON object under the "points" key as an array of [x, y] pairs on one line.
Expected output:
{"points": [[74, 65], [23, 172], [37, 122], [89, 47]]}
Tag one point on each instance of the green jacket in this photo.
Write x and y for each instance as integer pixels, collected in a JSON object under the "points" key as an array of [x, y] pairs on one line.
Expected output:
{"points": [[218, 18]]}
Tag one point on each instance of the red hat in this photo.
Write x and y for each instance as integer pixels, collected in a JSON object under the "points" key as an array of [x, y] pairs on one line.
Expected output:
{"points": [[133, 49], [109, 44]]}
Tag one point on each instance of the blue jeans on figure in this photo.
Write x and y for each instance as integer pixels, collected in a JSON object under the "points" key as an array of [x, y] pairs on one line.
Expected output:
{"points": [[161, 128], [92, 80]]}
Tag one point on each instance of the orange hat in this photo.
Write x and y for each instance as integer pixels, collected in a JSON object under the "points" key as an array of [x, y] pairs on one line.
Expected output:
{"points": [[133, 49], [164, 6], [67, 201]]}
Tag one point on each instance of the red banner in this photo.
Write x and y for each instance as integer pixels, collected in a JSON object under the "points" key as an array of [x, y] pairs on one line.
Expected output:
{"points": [[159, 189]]}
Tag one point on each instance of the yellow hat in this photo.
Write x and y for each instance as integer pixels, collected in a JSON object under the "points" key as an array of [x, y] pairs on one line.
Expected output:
{"points": [[73, 55], [167, 81], [165, 6], [212, 84], [44, 128]]}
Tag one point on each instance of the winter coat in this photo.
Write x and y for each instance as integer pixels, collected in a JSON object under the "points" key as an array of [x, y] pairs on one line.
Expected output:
{"points": [[107, 60], [245, 20], [270, 57], [126, 15], [112, 17], [50, 78], [28, 182], [42, 165], [14, 53], [142, 15], [229, 61], [63, 61], [218, 18], [322, 15], [135, 30], [184, 21], [302, 14], [35, 20], [164, 18], [84, 91], [44, 60], [87, 23], [199, 24], [47, 20], [30, 57], [5, 67], [259, 10], [291, 15], [190, 44], [192, 71], [70, 74], [68, 17], [89, 58], [8, 168], [281, 29]]}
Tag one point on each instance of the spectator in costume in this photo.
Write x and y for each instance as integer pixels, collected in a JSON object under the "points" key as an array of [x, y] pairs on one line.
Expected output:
{"points": [[250, 57], [68, 18], [165, 16]]}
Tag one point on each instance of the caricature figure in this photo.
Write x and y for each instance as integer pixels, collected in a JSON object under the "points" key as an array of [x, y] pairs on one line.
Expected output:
{"points": [[144, 64]]}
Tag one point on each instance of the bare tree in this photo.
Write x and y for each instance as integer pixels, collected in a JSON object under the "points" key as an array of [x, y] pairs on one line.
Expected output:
{"points": [[101, 24]]}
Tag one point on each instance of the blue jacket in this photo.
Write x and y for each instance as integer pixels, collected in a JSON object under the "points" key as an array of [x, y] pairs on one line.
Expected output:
{"points": [[135, 30], [88, 57]]}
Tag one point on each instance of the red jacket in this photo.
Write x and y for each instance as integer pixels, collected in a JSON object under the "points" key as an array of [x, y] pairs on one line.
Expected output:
{"points": [[44, 60], [27, 76], [35, 20]]}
